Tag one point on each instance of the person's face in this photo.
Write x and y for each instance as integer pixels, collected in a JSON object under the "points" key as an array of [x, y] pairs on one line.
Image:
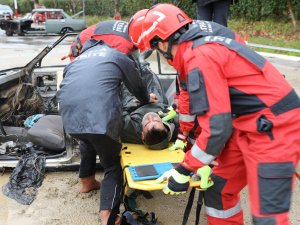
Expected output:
{"points": [[149, 121], [164, 46]]}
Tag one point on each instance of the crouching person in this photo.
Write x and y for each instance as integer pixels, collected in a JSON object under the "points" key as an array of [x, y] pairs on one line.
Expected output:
{"points": [[91, 109]]}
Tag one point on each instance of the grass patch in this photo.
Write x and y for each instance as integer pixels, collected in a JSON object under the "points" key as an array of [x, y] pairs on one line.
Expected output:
{"points": [[90, 20], [268, 32]]}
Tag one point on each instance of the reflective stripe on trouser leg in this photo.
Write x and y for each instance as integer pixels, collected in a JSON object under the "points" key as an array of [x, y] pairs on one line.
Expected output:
{"points": [[223, 214], [222, 208], [237, 219], [222, 200]]}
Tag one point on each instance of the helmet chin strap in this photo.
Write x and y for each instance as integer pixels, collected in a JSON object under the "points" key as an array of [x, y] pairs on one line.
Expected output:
{"points": [[168, 55]]}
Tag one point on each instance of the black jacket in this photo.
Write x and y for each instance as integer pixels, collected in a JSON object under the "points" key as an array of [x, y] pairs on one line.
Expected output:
{"points": [[90, 94], [133, 112]]}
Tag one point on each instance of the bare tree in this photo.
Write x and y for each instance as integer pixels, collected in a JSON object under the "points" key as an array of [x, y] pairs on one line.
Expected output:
{"points": [[74, 5], [54, 3], [117, 14], [293, 17], [36, 4]]}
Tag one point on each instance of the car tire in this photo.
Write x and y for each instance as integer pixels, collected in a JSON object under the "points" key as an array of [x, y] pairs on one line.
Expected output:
{"points": [[21, 34], [9, 33], [66, 30]]}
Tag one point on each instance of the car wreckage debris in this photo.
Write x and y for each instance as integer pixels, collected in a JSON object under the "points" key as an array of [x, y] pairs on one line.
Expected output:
{"points": [[27, 177]]}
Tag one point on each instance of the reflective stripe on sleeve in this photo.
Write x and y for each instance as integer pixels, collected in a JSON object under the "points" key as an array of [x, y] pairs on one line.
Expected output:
{"points": [[187, 118], [202, 156], [223, 213]]}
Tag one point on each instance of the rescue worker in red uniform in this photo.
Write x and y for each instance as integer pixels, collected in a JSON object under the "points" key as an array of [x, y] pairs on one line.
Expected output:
{"points": [[136, 26], [79, 41], [96, 31], [249, 117], [189, 128]]}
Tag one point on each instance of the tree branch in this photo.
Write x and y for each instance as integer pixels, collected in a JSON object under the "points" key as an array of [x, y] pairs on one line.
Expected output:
{"points": [[291, 11]]}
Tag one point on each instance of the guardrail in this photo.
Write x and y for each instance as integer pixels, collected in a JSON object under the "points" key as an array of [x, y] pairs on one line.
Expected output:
{"points": [[273, 47]]}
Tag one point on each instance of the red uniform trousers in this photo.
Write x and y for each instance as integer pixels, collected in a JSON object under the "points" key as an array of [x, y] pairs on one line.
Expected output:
{"points": [[266, 165]]}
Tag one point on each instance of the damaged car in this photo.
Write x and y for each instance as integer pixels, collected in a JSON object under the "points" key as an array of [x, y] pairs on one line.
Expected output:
{"points": [[43, 22], [29, 111]]}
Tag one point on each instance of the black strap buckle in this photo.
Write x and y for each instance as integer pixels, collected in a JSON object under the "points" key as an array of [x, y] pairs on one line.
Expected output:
{"points": [[263, 125]]}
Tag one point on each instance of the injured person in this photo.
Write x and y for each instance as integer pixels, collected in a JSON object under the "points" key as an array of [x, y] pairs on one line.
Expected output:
{"points": [[152, 124], [145, 126]]}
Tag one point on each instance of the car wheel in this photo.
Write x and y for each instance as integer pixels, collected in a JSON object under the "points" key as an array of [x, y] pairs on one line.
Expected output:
{"points": [[66, 30], [9, 33]]}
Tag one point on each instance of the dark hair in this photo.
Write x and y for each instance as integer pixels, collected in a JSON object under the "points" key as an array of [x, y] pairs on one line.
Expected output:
{"points": [[155, 135]]}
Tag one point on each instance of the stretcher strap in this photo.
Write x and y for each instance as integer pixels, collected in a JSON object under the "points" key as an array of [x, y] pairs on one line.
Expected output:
{"points": [[189, 205], [199, 206]]}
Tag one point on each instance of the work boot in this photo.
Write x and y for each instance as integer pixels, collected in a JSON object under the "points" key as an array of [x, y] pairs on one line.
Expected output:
{"points": [[88, 184]]}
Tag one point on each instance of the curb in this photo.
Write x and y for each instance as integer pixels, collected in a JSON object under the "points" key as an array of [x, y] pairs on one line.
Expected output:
{"points": [[280, 56]]}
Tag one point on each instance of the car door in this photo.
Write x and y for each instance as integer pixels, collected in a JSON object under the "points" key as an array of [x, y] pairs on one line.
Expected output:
{"points": [[74, 24], [55, 22]]}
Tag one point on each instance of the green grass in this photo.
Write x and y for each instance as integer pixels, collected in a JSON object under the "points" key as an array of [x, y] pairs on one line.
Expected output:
{"points": [[277, 43], [270, 33], [90, 20]]}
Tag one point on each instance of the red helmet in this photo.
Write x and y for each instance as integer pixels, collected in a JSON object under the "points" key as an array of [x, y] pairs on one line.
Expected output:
{"points": [[162, 21], [135, 28]]}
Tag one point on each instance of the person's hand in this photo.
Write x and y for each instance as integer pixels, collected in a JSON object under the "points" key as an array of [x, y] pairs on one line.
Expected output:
{"points": [[179, 144], [153, 98], [178, 180], [203, 175], [168, 113]]}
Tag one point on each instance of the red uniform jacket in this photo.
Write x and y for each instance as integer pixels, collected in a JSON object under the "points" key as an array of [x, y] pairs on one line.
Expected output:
{"points": [[226, 80], [198, 29]]}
